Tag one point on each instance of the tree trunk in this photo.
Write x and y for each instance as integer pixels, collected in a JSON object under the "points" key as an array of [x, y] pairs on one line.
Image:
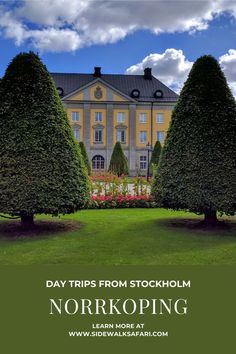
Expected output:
{"points": [[210, 217], [27, 221]]}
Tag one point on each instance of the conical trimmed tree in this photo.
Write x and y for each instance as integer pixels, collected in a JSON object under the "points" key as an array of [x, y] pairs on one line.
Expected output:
{"points": [[118, 163], [197, 171], [85, 157], [41, 167], [155, 156]]}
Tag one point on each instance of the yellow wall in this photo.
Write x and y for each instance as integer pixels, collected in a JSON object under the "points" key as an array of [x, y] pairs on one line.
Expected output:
{"points": [[161, 126], [139, 126], [80, 123], [126, 123], [118, 98], [147, 126], [143, 126], [78, 97], [93, 124], [92, 89]]}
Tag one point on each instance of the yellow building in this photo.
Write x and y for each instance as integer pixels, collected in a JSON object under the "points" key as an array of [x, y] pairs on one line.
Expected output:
{"points": [[106, 108]]}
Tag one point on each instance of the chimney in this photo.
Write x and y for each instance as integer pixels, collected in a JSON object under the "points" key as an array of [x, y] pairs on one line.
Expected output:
{"points": [[97, 71], [148, 74]]}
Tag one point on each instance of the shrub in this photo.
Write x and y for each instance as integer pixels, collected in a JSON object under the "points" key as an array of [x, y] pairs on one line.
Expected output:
{"points": [[118, 163], [197, 170], [41, 168], [155, 156], [121, 201], [85, 157]]}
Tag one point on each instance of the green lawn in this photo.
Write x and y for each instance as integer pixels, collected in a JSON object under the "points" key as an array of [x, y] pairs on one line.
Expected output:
{"points": [[124, 236]]}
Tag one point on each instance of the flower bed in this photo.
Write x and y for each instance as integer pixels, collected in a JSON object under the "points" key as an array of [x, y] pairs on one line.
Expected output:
{"points": [[111, 191], [121, 201], [111, 178], [111, 185]]}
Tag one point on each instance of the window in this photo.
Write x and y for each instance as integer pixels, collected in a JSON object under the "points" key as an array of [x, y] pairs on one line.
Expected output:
{"points": [[121, 135], [143, 162], [98, 135], [143, 118], [76, 131], [160, 118], [98, 116], [143, 136], [120, 117], [160, 136], [75, 116], [98, 162]]}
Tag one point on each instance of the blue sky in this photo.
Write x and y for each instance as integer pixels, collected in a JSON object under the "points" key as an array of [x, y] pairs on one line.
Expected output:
{"points": [[121, 36]]}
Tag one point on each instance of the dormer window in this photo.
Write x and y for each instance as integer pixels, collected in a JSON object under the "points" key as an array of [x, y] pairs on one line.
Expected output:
{"points": [[158, 94], [60, 91], [135, 93]]}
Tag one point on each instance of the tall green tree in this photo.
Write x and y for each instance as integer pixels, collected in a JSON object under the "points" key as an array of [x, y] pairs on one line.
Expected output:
{"points": [[197, 171], [118, 163], [85, 157], [155, 156], [41, 167]]}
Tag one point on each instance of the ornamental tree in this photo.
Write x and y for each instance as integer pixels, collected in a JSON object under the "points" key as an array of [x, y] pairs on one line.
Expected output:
{"points": [[41, 167], [197, 170], [118, 163], [85, 157], [155, 156]]}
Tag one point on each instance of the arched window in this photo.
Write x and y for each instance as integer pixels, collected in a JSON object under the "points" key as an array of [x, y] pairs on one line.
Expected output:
{"points": [[98, 162]]}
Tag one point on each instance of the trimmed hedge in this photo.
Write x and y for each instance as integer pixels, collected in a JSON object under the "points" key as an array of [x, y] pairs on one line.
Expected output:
{"points": [[120, 201], [155, 156], [85, 157], [118, 163], [197, 168], [41, 167]]}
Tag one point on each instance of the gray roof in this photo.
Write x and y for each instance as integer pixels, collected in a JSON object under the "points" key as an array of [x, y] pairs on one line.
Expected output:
{"points": [[124, 83]]}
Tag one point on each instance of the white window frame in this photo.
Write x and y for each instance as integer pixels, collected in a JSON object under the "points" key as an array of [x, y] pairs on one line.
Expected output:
{"points": [[160, 118], [162, 133], [98, 117], [119, 138], [76, 132], [143, 132], [121, 117], [95, 131], [75, 116], [143, 162], [98, 163], [143, 118]]}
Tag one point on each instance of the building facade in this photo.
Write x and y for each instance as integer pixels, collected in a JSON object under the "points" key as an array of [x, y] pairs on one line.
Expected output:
{"points": [[103, 109]]}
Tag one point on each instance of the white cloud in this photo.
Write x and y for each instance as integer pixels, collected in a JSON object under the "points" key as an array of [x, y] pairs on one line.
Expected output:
{"points": [[228, 64], [73, 24], [52, 12], [13, 29], [170, 67], [61, 40]]}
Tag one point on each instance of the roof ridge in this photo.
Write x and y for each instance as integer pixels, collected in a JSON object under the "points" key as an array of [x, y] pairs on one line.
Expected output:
{"points": [[132, 75]]}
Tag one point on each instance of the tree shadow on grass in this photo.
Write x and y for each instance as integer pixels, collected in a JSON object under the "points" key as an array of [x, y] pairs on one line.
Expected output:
{"points": [[198, 227], [12, 230]]}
